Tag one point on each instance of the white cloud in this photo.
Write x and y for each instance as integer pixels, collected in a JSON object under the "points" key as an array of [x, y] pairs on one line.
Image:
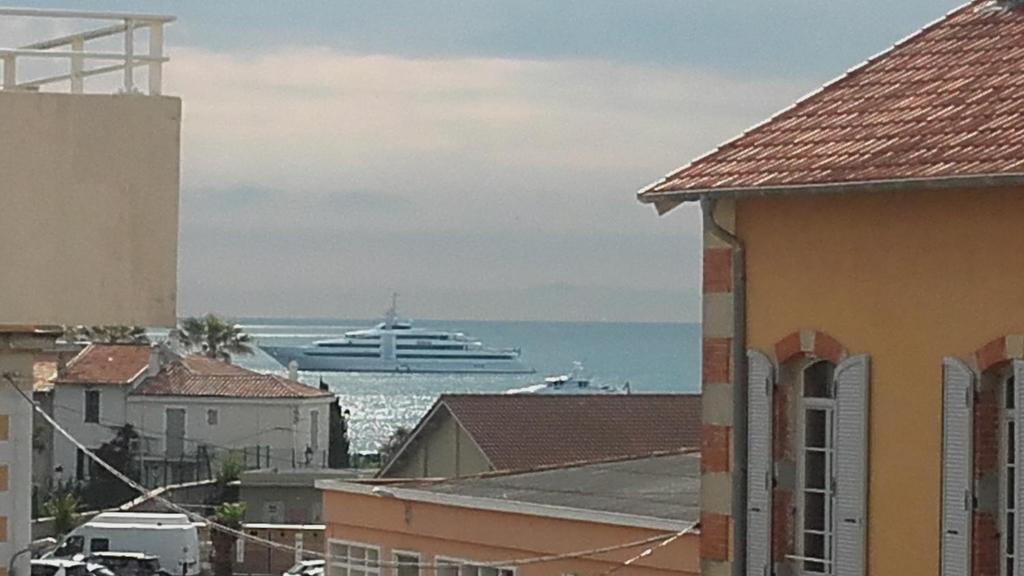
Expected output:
{"points": [[491, 136], [494, 177]]}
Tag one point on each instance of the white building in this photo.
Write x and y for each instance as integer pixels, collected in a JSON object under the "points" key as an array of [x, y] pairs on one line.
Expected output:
{"points": [[191, 412]]}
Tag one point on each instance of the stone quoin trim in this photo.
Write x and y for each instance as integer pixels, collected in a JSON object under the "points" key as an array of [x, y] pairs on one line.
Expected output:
{"points": [[718, 369], [715, 532], [714, 450], [717, 270]]}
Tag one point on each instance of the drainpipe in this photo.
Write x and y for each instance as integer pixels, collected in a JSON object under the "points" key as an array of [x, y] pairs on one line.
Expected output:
{"points": [[739, 385]]}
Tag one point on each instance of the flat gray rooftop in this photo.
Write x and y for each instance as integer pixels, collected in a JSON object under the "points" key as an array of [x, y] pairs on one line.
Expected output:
{"points": [[666, 487], [300, 476]]}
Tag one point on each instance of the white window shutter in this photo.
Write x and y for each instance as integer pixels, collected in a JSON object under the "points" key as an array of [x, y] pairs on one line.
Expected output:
{"points": [[851, 465], [760, 384], [957, 469], [1018, 442]]}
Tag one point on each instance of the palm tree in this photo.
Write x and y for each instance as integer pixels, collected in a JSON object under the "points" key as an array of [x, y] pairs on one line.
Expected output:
{"points": [[63, 508], [214, 337]]}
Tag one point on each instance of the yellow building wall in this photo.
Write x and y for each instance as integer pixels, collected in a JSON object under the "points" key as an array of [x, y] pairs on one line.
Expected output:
{"points": [[908, 278], [435, 530]]}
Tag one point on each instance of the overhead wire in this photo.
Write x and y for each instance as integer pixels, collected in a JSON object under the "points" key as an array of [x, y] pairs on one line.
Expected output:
{"points": [[661, 540]]}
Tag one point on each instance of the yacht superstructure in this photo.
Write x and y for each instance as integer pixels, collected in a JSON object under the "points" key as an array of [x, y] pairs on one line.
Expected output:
{"points": [[395, 345], [575, 382]]}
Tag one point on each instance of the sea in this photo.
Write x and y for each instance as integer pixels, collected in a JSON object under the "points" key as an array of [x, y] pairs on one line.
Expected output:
{"points": [[651, 357]]}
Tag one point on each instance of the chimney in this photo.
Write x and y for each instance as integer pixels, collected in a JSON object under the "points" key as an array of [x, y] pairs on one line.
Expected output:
{"points": [[154, 361], [293, 370]]}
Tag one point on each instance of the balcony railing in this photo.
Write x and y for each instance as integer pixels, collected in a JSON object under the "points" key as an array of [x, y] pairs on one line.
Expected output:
{"points": [[71, 52]]}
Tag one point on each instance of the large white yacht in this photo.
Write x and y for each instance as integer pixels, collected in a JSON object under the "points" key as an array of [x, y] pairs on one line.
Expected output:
{"points": [[395, 345]]}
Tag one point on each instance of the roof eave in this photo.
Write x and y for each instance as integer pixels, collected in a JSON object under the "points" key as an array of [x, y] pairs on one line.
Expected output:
{"points": [[666, 200]]}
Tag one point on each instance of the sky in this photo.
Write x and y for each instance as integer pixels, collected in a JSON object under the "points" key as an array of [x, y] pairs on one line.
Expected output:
{"points": [[480, 158]]}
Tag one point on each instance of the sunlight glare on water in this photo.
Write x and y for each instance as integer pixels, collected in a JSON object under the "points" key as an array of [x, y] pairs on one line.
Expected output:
{"points": [[651, 357]]}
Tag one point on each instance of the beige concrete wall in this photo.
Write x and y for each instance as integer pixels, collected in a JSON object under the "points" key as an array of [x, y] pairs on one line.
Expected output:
{"points": [[471, 459], [443, 450], [89, 223]]}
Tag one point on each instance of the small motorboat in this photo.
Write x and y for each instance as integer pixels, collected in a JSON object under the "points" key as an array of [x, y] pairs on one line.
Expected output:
{"points": [[575, 382]]}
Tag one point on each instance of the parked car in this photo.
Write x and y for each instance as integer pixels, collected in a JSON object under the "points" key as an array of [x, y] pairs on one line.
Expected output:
{"points": [[99, 570], [127, 563], [57, 567], [172, 538], [306, 568]]}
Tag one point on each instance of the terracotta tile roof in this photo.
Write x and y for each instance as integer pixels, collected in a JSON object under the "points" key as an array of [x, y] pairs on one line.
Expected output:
{"points": [[519, 431], [198, 376], [943, 105], [114, 364]]}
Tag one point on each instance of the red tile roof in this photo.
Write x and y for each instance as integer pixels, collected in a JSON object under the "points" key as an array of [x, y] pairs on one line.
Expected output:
{"points": [[204, 377], [943, 105], [520, 431], [115, 364]]}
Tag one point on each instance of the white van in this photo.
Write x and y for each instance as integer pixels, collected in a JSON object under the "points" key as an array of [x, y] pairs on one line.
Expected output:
{"points": [[170, 537]]}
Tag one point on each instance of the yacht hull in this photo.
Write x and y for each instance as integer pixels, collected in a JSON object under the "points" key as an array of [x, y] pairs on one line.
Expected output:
{"points": [[311, 361]]}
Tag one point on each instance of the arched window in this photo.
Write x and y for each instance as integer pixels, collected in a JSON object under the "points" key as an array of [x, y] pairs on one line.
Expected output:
{"points": [[815, 467], [807, 464], [981, 527]]}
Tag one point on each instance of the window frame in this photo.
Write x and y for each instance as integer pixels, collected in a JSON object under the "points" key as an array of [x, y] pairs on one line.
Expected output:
{"points": [[105, 545], [463, 563], [1007, 487], [314, 434], [828, 406], [365, 568], [212, 417], [184, 432], [395, 553], [87, 416]]}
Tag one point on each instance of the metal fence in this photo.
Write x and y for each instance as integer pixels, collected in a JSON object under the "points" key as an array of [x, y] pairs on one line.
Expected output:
{"points": [[80, 62]]}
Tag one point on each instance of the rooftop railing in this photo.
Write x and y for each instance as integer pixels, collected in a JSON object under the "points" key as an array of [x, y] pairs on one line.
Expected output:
{"points": [[71, 52]]}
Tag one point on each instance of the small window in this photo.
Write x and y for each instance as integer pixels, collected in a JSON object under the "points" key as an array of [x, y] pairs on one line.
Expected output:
{"points": [[818, 380], [314, 430], [447, 567], [99, 545], [73, 545], [273, 512], [815, 470], [80, 466], [212, 417], [92, 406], [407, 564], [353, 560]]}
